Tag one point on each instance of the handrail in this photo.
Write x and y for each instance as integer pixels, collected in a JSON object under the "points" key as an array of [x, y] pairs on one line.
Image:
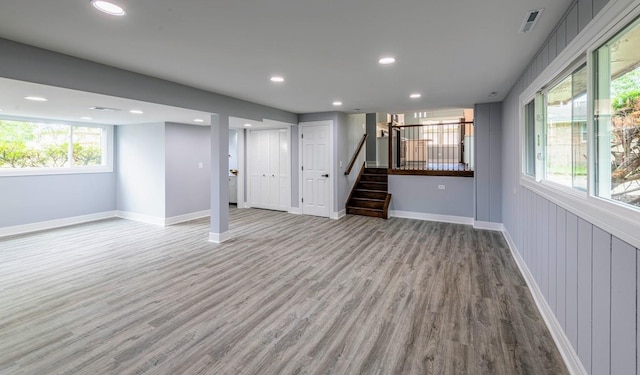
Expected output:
{"points": [[355, 155], [444, 123]]}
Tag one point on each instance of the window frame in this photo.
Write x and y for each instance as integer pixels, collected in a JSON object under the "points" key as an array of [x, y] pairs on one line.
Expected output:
{"points": [[617, 218], [107, 144]]}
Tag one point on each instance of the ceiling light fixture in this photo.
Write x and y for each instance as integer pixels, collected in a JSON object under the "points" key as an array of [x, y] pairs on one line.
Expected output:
{"points": [[136, 111], [86, 118], [36, 98], [493, 94], [105, 109], [247, 125], [277, 79], [198, 120], [108, 7], [337, 103], [415, 96], [387, 60]]}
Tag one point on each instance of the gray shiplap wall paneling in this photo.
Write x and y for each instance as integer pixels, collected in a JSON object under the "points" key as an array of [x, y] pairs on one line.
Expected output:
{"points": [[601, 315], [562, 267], [572, 23], [539, 230], [561, 36], [552, 43], [623, 307], [598, 5], [585, 241], [553, 257], [585, 13], [544, 249], [572, 279], [545, 56]]}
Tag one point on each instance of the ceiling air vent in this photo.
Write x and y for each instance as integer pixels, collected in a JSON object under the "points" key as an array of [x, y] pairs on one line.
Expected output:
{"points": [[530, 21]]}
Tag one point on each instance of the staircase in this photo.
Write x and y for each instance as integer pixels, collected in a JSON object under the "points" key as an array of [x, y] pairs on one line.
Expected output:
{"points": [[370, 196]]}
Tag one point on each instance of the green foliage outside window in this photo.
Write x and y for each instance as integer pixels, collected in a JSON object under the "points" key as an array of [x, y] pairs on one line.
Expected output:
{"points": [[32, 145]]}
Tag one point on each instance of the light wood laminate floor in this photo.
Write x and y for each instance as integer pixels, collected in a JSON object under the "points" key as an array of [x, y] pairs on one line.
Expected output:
{"points": [[287, 295]]}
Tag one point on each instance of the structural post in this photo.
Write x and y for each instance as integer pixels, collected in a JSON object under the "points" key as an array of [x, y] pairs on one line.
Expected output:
{"points": [[219, 231]]}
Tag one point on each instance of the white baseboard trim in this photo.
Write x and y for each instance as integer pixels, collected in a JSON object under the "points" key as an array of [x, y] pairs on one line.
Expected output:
{"points": [[295, 210], [155, 220], [487, 225], [186, 217], [52, 224], [568, 353], [219, 237], [431, 217], [338, 215]]}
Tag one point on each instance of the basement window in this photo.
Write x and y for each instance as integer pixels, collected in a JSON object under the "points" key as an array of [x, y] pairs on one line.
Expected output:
{"points": [[32, 147]]}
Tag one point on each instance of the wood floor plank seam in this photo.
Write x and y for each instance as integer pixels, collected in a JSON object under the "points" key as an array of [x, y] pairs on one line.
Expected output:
{"points": [[287, 294]]}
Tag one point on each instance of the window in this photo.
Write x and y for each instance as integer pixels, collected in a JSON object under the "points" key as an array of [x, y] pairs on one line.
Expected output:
{"points": [[555, 132], [566, 121], [617, 117], [33, 147], [530, 139]]}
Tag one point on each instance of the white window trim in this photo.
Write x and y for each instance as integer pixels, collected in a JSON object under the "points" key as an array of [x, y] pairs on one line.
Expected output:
{"points": [[616, 218], [107, 168]]}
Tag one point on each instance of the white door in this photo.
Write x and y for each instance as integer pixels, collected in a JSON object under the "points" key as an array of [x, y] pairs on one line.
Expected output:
{"points": [[316, 181], [269, 185]]}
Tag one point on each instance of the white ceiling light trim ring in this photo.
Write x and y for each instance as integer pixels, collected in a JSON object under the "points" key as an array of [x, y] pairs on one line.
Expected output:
{"points": [[108, 7]]}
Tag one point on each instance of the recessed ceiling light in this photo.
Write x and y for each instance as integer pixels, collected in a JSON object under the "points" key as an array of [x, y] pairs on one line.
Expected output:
{"points": [[105, 109], [277, 79], [136, 111], [387, 60], [86, 118], [108, 7], [493, 94], [198, 120], [247, 125], [415, 96], [36, 98], [337, 103]]}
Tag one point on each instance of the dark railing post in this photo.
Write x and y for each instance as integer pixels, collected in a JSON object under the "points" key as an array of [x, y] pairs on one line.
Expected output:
{"points": [[390, 166]]}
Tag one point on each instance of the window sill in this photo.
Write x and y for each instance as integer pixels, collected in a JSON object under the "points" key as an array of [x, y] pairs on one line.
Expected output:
{"points": [[53, 171], [615, 218]]}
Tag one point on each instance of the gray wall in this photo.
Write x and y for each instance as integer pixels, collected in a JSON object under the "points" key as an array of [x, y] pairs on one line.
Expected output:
{"points": [[140, 169], [420, 194], [187, 185], [355, 129], [488, 162], [371, 138], [589, 278], [32, 199]]}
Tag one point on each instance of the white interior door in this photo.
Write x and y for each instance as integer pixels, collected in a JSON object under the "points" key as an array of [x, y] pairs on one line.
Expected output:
{"points": [[316, 167], [270, 185]]}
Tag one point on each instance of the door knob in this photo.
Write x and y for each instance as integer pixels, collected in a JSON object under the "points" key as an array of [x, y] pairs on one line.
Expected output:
{"points": [[325, 175]]}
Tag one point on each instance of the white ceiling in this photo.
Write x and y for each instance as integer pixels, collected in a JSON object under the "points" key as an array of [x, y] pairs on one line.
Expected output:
{"points": [[454, 52], [71, 105]]}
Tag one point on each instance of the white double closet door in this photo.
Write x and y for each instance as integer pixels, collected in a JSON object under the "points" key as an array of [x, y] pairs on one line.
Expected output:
{"points": [[269, 169]]}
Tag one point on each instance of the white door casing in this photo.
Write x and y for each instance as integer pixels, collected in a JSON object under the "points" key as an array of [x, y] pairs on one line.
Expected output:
{"points": [[316, 156]]}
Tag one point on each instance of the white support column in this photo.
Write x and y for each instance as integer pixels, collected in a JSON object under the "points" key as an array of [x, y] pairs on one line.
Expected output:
{"points": [[219, 231]]}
